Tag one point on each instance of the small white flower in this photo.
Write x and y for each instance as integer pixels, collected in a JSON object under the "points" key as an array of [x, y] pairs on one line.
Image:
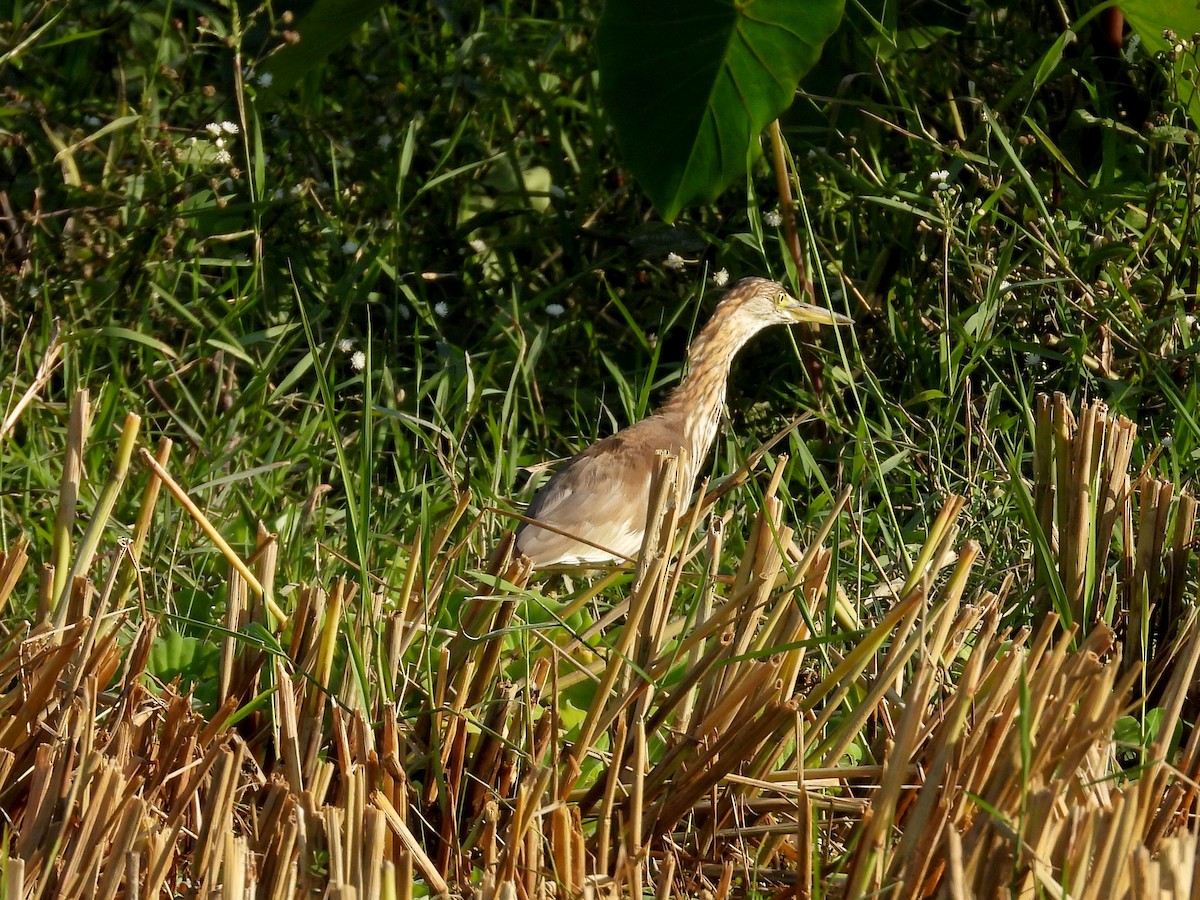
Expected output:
{"points": [[442, 308], [91, 121], [721, 277], [345, 345], [358, 361], [265, 79], [349, 248], [223, 158], [1005, 286], [1168, 440], [213, 128], [1032, 360], [555, 309], [674, 262], [229, 127], [405, 312], [296, 190], [773, 218], [384, 141], [478, 246], [939, 176], [220, 142]]}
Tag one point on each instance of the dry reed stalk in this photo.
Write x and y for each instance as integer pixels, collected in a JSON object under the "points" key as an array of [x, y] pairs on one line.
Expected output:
{"points": [[835, 686], [531, 790], [12, 564], [46, 366], [998, 771], [1182, 536], [751, 695], [408, 602], [213, 535], [1071, 716], [608, 805], [45, 591], [141, 528], [666, 502], [218, 812], [751, 731], [641, 598], [411, 845], [487, 756], [233, 667], [1081, 492], [437, 548], [636, 813], [770, 539], [68, 493], [85, 552]]}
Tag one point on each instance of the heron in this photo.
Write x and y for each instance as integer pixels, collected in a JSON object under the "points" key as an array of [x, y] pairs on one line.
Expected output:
{"points": [[596, 505]]}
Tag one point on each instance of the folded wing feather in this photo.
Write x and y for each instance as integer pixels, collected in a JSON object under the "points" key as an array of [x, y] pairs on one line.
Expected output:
{"points": [[600, 495]]}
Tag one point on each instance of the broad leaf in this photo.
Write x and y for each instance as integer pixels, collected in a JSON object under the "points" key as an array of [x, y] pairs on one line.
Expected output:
{"points": [[690, 84], [326, 27], [1150, 18]]}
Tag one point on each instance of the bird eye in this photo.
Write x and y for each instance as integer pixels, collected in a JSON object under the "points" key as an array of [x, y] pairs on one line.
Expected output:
{"points": [[780, 298]]}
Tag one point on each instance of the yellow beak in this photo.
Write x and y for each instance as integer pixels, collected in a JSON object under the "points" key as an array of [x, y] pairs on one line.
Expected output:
{"points": [[817, 315]]}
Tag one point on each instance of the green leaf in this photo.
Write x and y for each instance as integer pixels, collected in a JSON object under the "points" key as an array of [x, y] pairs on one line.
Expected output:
{"points": [[1052, 148], [115, 332], [690, 84], [328, 25], [1052, 58], [173, 654], [1170, 134], [1150, 18], [888, 46]]}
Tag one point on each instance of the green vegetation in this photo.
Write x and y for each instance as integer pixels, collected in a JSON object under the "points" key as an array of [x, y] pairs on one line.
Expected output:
{"points": [[361, 300]]}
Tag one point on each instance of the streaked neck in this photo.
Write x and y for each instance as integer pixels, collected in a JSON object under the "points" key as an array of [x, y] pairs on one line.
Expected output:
{"points": [[696, 404]]}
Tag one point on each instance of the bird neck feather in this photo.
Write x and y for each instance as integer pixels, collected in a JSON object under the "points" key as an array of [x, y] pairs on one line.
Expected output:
{"points": [[698, 400]]}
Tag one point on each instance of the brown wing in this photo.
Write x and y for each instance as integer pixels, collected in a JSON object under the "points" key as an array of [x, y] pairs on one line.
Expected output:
{"points": [[600, 495]]}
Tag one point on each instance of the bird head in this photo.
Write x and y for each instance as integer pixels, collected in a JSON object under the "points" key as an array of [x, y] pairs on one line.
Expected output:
{"points": [[767, 302]]}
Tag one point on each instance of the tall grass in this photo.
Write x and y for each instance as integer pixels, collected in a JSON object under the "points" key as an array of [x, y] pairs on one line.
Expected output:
{"points": [[938, 637]]}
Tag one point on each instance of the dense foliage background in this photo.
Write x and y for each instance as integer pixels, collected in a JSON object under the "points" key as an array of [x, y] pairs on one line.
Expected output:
{"points": [[422, 268]]}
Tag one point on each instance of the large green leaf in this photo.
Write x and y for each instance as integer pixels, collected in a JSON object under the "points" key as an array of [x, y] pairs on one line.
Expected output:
{"points": [[1150, 18], [327, 26], [690, 84]]}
